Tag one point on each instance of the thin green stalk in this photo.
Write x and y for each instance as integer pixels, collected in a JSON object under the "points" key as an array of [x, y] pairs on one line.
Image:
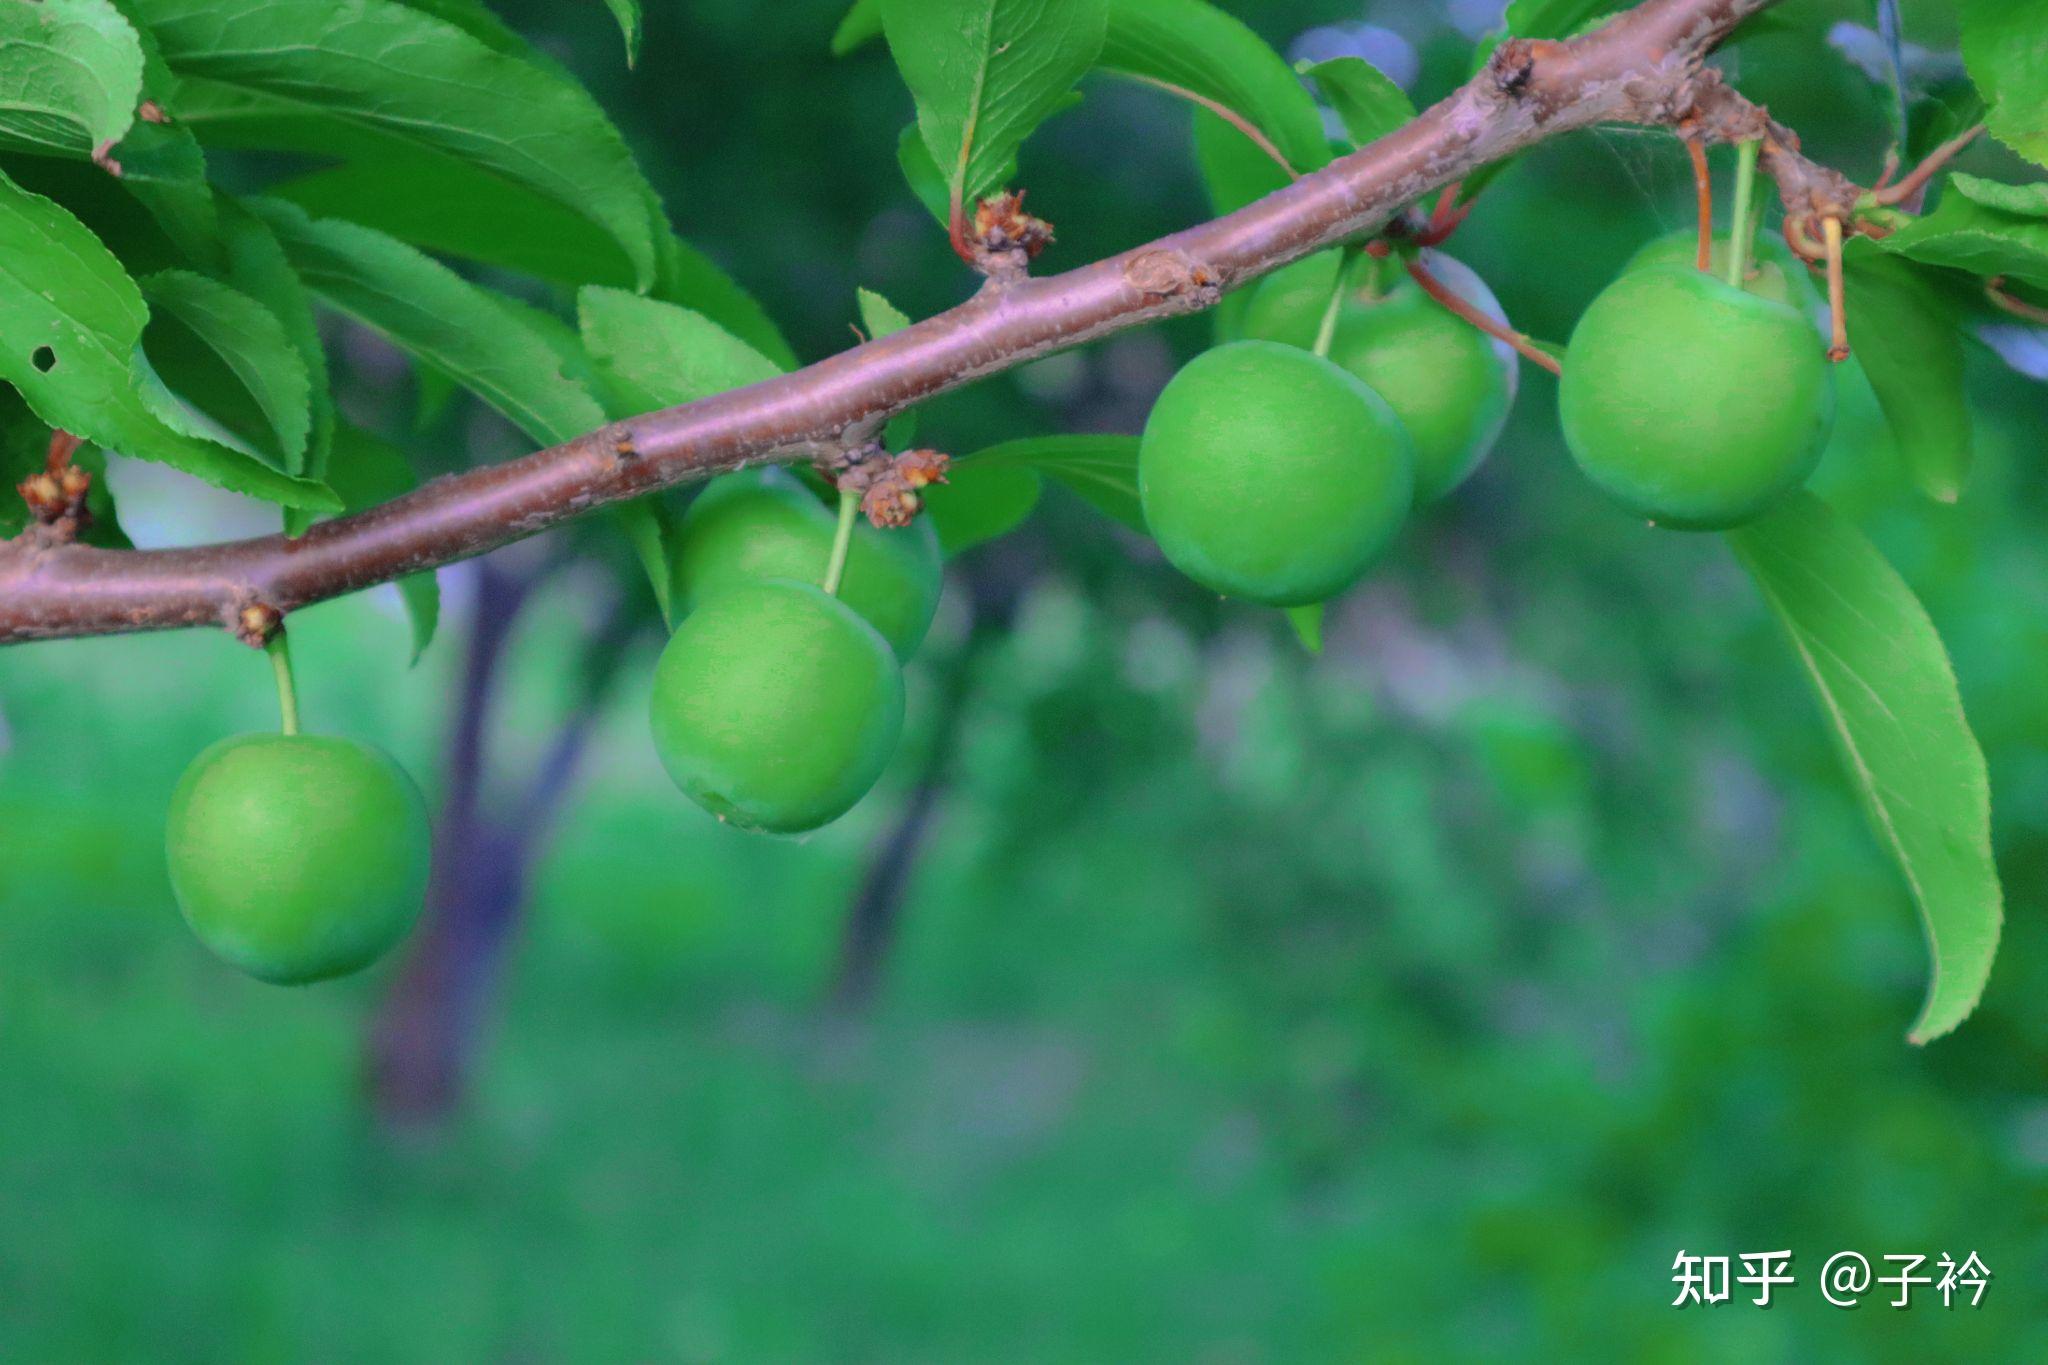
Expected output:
{"points": [[842, 540], [1740, 226], [1327, 332], [287, 691]]}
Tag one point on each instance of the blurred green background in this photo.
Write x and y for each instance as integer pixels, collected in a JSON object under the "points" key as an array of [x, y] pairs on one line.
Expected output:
{"points": [[1421, 1001]]}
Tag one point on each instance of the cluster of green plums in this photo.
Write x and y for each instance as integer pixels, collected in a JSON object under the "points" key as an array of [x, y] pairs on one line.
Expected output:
{"points": [[1274, 474]]}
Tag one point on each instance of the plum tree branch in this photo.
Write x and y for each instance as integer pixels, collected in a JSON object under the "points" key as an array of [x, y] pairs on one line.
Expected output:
{"points": [[1643, 67]]}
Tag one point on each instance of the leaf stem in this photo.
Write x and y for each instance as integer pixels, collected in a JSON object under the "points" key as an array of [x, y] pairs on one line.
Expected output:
{"points": [[1740, 226], [842, 540], [280, 653]]}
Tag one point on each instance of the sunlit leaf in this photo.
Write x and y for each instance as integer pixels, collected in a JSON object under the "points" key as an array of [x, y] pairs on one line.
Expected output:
{"points": [[70, 76], [2004, 48]]}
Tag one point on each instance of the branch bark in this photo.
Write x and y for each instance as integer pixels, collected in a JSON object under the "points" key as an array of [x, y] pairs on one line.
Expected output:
{"points": [[1643, 67]]}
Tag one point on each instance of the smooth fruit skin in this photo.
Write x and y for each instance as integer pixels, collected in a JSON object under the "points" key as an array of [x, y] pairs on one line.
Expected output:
{"points": [[1270, 474], [753, 526], [297, 857], [775, 706], [1288, 304], [1691, 402], [1773, 272], [1449, 383]]}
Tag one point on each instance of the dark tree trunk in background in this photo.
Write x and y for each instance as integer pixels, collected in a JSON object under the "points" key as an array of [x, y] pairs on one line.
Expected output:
{"points": [[424, 1038], [995, 580]]}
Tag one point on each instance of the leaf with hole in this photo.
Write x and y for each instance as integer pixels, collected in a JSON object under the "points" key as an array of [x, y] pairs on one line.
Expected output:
{"points": [[1889, 695], [72, 321]]}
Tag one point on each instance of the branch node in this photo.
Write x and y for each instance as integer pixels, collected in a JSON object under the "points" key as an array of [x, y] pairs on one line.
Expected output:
{"points": [[889, 485], [56, 495], [1164, 273], [623, 448], [256, 623], [1004, 239]]}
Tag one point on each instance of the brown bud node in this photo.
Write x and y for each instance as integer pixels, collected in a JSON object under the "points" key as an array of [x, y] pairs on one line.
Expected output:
{"points": [[256, 623]]}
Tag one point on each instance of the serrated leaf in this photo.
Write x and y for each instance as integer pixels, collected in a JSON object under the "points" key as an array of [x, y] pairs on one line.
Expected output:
{"points": [[71, 325], [985, 73], [656, 355], [70, 76], [437, 317], [254, 262], [2005, 47], [1102, 469], [980, 500], [1196, 47], [1889, 694], [1965, 233], [1307, 623], [357, 79], [861, 26], [1908, 336], [230, 356], [2027, 201], [1365, 98], [367, 471], [162, 164]]}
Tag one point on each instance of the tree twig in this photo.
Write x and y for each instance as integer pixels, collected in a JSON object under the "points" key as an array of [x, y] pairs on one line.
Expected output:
{"points": [[1643, 67]]}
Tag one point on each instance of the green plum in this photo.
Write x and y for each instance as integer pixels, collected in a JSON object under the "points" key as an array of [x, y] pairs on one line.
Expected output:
{"points": [[1449, 383], [297, 857], [1288, 305], [768, 525], [1691, 402], [1268, 473], [1773, 270], [775, 705]]}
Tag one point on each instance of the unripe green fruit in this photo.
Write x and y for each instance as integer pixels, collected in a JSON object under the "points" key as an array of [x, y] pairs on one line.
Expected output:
{"points": [[1691, 402], [297, 857], [1449, 383], [1268, 473], [1288, 304], [1773, 272], [776, 706], [748, 526]]}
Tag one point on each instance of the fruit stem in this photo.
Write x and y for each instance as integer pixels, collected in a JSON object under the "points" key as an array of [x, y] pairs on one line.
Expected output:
{"points": [[1838, 310], [1740, 226], [842, 540], [1463, 309], [280, 654], [1703, 192], [1327, 331]]}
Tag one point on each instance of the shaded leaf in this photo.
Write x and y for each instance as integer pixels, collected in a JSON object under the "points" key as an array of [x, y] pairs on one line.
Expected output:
{"points": [[1556, 18], [229, 355], [367, 471], [980, 500], [1307, 623], [70, 76], [655, 355], [2028, 201], [255, 263], [986, 73], [861, 26], [439, 318], [1102, 469], [1368, 102], [162, 164], [627, 13], [1889, 695], [1967, 233], [314, 76], [71, 325], [1907, 333]]}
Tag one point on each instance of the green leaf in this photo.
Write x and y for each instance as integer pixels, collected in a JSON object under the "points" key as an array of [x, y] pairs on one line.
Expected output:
{"points": [[1965, 233], [358, 79], [861, 26], [1195, 47], [70, 76], [228, 355], [927, 182], [986, 73], [162, 164], [439, 318], [980, 500], [627, 13], [71, 325], [1369, 103], [1556, 18], [881, 318], [656, 355], [2027, 201], [2005, 47], [1907, 333], [1235, 171], [1102, 469], [1889, 694], [1308, 625], [690, 278], [255, 263], [367, 471]]}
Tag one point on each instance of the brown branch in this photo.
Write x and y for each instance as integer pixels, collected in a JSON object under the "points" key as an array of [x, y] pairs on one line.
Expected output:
{"points": [[1643, 67]]}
